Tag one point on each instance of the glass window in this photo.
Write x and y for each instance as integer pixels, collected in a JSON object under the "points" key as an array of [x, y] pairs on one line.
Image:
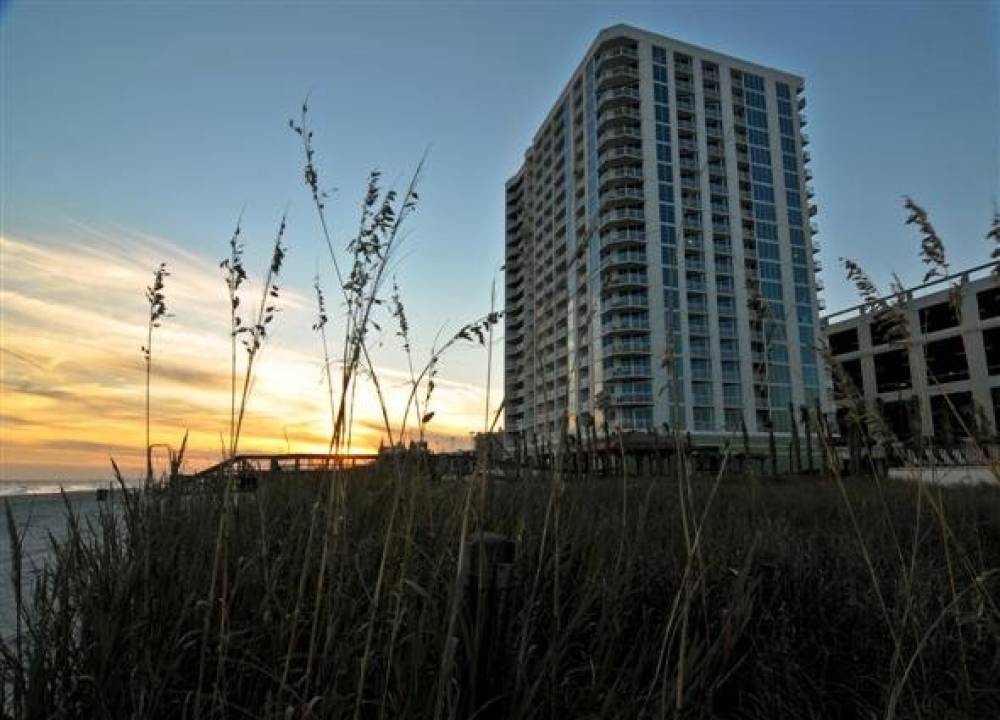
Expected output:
{"points": [[704, 418], [761, 174]]}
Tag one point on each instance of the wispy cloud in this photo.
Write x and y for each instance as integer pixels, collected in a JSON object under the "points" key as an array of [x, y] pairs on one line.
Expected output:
{"points": [[73, 320]]}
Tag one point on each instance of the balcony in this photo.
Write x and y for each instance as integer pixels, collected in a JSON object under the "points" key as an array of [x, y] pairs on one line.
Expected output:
{"points": [[623, 280], [624, 258], [619, 155], [630, 398], [802, 120], [617, 76], [627, 346], [805, 139], [691, 203], [623, 237], [617, 96], [618, 115], [620, 174], [629, 133], [626, 302], [627, 371], [621, 196], [621, 216], [622, 52]]}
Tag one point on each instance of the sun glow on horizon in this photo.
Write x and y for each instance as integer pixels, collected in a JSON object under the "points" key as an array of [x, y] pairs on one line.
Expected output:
{"points": [[73, 320]]}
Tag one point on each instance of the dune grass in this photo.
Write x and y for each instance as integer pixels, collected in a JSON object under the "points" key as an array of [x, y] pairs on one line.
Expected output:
{"points": [[783, 619]]}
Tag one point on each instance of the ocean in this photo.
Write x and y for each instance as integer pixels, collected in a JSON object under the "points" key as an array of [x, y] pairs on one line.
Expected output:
{"points": [[38, 517]]}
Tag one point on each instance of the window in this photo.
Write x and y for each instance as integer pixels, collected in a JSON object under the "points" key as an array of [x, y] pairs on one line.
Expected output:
{"points": [[733, 419], [902, 417], [848, 383], [946, 361], [701, 369], [989, 303], [704, 418], [885, 328], [761, 174], [892, 371], [757, 137], [843, 342], [952, 416], [760, 156], [702, 393], [991, 347], [938, 317]]}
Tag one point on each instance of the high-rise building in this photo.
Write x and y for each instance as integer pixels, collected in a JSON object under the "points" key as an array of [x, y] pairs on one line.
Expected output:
{"points": [[660, 251]]}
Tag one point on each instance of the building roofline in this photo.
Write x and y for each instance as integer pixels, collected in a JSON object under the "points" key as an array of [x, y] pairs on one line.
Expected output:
{"points": [[965, 276], [619, 29]]}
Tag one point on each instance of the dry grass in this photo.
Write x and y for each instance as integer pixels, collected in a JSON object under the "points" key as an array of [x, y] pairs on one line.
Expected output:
{"points": [[763, 607]]}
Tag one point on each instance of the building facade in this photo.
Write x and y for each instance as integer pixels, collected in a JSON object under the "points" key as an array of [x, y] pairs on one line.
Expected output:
{"points": [[940, 379], [660, 250]]}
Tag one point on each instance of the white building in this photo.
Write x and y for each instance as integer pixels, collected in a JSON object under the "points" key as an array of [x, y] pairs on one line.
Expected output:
{"points": [[949, 361], [665, 178]]}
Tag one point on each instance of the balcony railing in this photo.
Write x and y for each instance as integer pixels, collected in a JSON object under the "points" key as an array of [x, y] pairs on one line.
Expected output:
{"points": [[618, 237], [617, 93], [624, 257], [622, 193], [624, 73], [618, 114], [626, 152], [619, 133], [622, 51], [625, 279], [617, 372], [631, 302], [630, 398], [619, 173], [628, 345], [621, 214]]}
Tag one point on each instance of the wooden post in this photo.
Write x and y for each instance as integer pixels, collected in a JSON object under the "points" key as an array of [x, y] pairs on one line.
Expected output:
{"points": [[487, 569], [807, 426], [796, 458]]}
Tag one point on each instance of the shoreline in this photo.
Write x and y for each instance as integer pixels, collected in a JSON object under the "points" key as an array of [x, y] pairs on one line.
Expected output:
{"points": [[53, 490]]}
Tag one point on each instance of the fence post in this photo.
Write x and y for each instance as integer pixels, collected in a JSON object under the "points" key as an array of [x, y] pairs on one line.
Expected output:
{"points": [[487, 574]]}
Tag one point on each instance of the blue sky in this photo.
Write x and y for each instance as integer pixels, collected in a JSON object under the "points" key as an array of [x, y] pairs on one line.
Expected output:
{"points": [[165, 119]]}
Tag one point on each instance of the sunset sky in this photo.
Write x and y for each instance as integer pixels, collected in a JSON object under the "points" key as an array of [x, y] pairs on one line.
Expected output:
{"points": [[135, 133]]}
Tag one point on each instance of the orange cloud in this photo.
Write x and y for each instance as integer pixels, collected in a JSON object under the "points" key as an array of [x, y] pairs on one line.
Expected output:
{"points": [[72, 320]]}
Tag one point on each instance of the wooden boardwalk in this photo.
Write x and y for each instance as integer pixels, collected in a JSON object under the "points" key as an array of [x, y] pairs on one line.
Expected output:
{"points": [[262, 464]]}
